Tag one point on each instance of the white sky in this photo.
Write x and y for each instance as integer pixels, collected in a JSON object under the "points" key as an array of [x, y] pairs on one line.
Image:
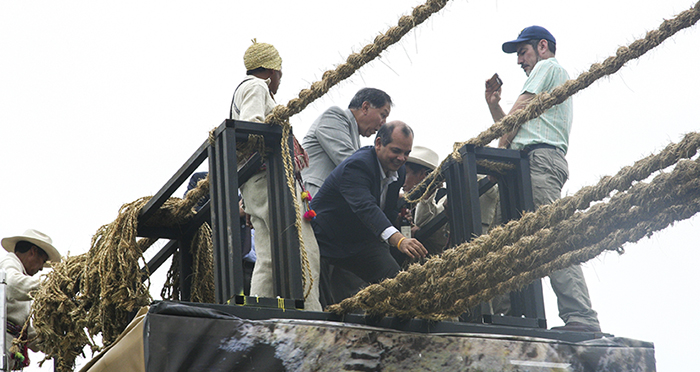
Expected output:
{"points": [[101, 102]]}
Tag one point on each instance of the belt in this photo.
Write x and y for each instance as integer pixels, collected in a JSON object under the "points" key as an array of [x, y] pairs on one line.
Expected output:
{"points": [[536, 146]]}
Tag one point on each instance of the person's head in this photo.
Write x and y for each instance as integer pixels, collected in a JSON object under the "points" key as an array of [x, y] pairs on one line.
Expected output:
{"points": [[33, 248], [393, 144], [370, 107], [419, 164], [533, 44], [262, 60], [33, 258]]}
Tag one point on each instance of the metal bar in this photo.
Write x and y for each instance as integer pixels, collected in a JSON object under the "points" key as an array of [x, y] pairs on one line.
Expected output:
{"points": [[412, 325], [524, 184], [432, 226], [532, 297], [284, 241], [186, 260], [218, 220], [497, 154], [157, 232], [441, 219], [279, 303], [223, 177], [463, 197], [250, 167], [485, 184], [272, 133], [234, 259], [159, 259], [4, 360], [175, 182], [512, 321]]}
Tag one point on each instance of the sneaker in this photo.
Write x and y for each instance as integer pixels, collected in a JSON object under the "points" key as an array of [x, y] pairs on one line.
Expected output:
{"points": [[577, 327]]}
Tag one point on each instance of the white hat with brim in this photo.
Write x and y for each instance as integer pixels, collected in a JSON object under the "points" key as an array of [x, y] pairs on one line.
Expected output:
{"points": [[424, 156], [37, 238]]}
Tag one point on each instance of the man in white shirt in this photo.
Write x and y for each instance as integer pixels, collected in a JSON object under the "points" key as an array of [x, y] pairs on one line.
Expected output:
{"points": [[253, 100], [28, 254]]}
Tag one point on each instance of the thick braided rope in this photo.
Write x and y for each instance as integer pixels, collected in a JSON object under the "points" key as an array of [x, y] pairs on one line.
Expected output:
{"points": [[97, 290], [355, 61], [622, 213], [289, 172], [280, 115], [662, 220], [549, 215], [544, 101], [455, 272]]}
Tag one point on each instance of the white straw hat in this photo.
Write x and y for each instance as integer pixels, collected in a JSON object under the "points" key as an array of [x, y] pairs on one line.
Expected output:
{"points": [[424, 156], [37, 238]]}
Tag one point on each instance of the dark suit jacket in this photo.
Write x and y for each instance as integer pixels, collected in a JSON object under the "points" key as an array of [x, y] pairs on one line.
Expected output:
{"points": [[347, 205]]}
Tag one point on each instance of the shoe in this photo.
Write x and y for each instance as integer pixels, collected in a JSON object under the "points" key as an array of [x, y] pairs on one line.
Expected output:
{"points": [[577, 327]]}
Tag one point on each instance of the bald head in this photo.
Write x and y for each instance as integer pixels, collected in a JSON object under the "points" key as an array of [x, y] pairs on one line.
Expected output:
{"points": [[393, 144], [387, 130]]}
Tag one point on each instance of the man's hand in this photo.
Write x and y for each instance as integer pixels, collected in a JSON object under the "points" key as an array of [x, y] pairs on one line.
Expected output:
{"points": [[493, 97], [493, 90], [408, 246], [241, 208]]}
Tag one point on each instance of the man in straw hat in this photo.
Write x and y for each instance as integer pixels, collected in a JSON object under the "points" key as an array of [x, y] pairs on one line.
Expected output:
{"points": [[420, 163], [253, 100], [546, 140], [28, 254]]}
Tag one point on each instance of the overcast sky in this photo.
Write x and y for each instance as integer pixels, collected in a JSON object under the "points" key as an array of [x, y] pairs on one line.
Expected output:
{"points": [[101, 102]]}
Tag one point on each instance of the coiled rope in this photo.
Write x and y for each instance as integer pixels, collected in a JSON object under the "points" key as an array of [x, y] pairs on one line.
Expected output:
{"points": [[97, 291]]}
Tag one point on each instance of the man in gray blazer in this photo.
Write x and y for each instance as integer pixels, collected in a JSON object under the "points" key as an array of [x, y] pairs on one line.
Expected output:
{"points": [[332, 138], [335, 135]]}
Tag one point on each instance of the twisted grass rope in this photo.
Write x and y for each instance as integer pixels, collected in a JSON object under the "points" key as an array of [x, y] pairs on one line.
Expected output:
{"points": [[355, 61], [291, 186], [544, 101], [463, 272], [95, 292]]}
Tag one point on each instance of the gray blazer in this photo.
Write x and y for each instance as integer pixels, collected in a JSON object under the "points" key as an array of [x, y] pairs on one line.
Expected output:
{"points": [[332, 138]]}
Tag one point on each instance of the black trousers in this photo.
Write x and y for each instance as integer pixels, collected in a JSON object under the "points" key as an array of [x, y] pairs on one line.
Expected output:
{"points": [[373, 264]]}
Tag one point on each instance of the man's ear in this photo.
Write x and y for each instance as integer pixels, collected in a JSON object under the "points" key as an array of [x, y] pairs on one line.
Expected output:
{"points": [[542, 47], [366, 106], [377, 142]]}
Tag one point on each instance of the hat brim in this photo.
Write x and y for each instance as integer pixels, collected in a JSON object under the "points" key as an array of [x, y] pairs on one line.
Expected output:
{"points": [[51, 251], [512, 46], [421, 162]]}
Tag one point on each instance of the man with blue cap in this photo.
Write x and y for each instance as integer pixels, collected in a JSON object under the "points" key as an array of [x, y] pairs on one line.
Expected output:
{"points": [[546, 140]]}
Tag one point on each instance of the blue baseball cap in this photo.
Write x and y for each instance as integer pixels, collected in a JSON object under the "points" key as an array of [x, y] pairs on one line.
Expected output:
{"points": [[528, 33]]}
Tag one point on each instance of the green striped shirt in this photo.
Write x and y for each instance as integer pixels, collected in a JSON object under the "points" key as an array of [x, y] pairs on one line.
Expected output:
{"points": [[554, 125]]}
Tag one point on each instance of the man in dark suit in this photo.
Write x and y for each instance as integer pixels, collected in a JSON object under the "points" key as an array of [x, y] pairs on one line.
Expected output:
{"points": [[358, 201]]}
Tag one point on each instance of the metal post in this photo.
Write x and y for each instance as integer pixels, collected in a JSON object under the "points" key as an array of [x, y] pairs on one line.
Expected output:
{"points": [[3, 318], [226, 234], [463, 197], [284, 240]]}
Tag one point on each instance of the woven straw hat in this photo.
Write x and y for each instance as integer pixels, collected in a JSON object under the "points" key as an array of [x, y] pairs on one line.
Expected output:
{"points": [[37, 238], [262, 55], [424, 156]]}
